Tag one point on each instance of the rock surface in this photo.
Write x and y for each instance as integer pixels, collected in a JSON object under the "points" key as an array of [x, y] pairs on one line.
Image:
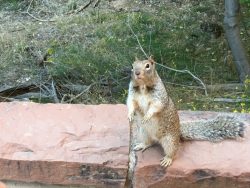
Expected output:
{"points": [[198, 163], [64, 144], [2, 185], [87, 145]]}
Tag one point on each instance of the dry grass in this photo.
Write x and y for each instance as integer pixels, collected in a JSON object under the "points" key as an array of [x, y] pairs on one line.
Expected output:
{"points": [[95, 47]]}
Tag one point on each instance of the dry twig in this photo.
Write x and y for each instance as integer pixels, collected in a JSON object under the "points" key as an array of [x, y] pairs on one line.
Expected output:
{"points": [[38, 19], [169, 68], [7, 99], [81, 8], [56, 100], [75, 97], [226, 87], [225, 100]]}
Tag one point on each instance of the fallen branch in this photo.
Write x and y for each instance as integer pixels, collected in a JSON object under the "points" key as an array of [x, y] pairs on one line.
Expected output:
{"points": [[10, 91], [184, 85], [32, 95], [169, 68], [38, 19], [17, 29], [7, 99], [81, 8], [231, 100], [85, 6], [75, 88], [75, 97], [225, 100], [226, 87]]}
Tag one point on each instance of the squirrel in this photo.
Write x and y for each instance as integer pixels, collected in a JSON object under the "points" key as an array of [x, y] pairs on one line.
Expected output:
{"points": [[153, 112]]}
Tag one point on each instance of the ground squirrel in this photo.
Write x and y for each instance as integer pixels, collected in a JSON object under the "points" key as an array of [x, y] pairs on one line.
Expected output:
{"points": [[153, 112]]}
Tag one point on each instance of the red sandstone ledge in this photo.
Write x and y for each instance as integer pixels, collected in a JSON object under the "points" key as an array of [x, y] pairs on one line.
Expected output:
{"points": [[88, 145], [64, 144]]}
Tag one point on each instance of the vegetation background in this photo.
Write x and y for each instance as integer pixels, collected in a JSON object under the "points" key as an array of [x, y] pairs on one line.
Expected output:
{"points": [[80, 51]]}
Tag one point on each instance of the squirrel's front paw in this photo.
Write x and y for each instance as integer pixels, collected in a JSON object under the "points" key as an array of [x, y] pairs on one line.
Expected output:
{"points": [[139, 146], [131, 116]]}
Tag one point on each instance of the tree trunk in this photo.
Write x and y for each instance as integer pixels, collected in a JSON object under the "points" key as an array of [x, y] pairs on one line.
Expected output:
{"points": [[231, 20]]}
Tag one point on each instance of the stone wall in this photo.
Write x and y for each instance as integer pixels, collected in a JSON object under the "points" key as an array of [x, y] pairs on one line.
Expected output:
{"points": [[88, 145], [64, 144]]}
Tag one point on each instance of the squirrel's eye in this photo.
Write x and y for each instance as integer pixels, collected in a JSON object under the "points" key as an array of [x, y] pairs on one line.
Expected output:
{"points": [[147, 66]]}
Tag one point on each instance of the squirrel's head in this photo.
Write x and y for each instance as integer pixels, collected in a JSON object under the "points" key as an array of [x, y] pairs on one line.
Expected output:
{"points": [[143, 71]]}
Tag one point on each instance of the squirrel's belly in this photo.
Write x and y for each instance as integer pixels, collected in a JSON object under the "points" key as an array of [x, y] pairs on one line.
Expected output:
{"points": [[152, 128], [143, 103]]}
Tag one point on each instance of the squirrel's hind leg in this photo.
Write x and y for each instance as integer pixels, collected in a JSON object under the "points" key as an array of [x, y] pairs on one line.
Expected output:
{"points": [[170, 146], [144, 140]]}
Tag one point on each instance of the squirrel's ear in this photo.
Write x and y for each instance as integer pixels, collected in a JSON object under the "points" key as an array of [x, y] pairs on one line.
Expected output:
{"points": [[151, 59], [136, 58]]}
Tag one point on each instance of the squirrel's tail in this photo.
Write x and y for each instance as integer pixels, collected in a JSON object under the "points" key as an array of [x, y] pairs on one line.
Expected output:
{"points": [[220, 128]]}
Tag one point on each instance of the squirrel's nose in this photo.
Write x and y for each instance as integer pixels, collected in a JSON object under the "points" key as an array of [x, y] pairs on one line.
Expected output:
{"points": [[137, 73]]}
